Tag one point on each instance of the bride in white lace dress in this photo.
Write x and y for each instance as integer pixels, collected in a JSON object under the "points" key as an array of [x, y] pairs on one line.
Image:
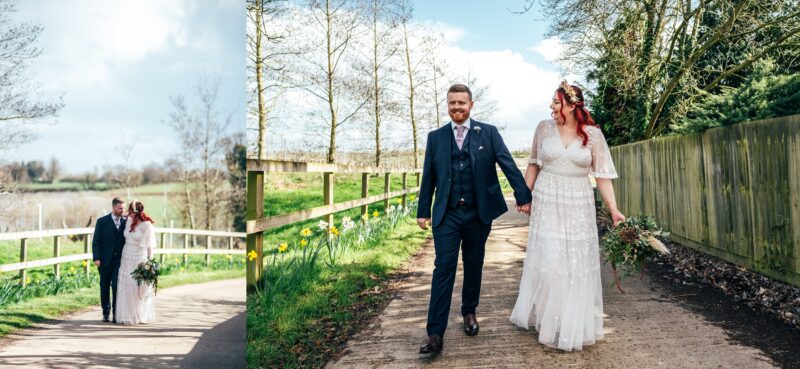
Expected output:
{"points": [[560, 291], [136, 303]]}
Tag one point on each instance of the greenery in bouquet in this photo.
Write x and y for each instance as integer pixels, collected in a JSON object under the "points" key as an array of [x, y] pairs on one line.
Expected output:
{"points": [[147, 272], [630, 244]]}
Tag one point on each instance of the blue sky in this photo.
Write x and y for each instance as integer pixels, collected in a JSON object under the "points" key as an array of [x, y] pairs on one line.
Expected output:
{"points": [[117, 64], [490, 25], [506, 51]]}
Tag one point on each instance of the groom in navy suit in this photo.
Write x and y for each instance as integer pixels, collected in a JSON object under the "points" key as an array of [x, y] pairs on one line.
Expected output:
{"points": [[460, 168], [107, 244]]}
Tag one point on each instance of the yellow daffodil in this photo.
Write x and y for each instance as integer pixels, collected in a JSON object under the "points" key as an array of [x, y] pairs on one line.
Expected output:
{"points": [[250, 255], [181, 269], [28, 280], [375, 214], [229, 257], [177, 260], [334, 231], [72, 269], [412, 197], [283, 247], [305, 232], [303, 243], [83, 264]]}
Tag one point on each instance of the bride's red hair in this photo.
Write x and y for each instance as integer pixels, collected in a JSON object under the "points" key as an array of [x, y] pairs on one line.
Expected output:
{"points": [[581, 113], [137, 215]]}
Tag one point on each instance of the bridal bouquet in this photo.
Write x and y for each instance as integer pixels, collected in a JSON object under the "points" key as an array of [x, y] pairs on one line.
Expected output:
{"points": [[147, 272], [628, 245]]}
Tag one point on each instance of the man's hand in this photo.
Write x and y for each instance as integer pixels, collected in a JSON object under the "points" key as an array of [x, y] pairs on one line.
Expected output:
{"points": [[524, 208], [97, 263], [423, 223]]}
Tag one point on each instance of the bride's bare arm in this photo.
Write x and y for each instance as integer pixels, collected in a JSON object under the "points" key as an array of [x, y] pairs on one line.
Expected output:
{"points": [[607, 192], [530, 175]]}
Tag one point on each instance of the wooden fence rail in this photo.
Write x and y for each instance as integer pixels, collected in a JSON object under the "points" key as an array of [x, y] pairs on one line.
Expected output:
{"points": [[189, 237], [733, 192], [257, 224]]}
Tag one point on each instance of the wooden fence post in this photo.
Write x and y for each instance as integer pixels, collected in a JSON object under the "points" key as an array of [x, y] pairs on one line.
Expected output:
{"points": [[255, 241], [57, 253], [163, 245], [87, 242], [328, 193], [186, 246], [405, 186], [23, 257], [364, 192], [208, 248], [386, 187]]}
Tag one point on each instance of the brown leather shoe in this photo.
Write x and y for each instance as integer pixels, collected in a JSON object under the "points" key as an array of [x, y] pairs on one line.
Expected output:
{"points": [[470, 324], [432, 345]]}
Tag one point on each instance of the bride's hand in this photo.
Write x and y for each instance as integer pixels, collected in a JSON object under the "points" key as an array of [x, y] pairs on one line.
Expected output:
{"points": [[617, 217]]}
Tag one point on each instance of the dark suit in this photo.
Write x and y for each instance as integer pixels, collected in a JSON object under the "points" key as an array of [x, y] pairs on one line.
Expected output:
{"points": [[107, 244], [463, 224]]}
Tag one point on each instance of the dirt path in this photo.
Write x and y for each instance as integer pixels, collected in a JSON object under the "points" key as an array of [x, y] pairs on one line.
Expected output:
{"points": [[645, 328], [199, 326]]}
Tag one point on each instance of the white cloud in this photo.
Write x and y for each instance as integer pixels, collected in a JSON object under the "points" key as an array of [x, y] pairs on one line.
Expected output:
{"points": [[550, 49], [103, 35]]}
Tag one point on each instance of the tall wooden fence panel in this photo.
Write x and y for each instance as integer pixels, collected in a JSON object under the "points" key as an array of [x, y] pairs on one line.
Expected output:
{"points": [[733, 192]]}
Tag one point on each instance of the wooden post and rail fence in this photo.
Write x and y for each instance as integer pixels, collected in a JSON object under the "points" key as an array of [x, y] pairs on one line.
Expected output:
{"points": [[86, 234], [257, 223]]}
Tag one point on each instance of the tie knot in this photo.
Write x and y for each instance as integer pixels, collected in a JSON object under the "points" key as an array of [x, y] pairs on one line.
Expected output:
{"points": [[461, 128]]}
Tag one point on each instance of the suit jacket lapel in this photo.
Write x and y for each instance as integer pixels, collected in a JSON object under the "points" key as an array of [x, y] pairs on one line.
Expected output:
{"points": [[472, 147], [447, 136], [111, 223]]}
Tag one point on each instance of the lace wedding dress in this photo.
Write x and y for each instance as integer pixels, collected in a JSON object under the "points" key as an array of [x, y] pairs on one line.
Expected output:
{"points": [[135, 303], [560, 292]]}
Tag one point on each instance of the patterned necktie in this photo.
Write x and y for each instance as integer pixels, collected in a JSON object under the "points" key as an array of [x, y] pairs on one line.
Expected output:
{"points": [[460, 136], [116, 222]]}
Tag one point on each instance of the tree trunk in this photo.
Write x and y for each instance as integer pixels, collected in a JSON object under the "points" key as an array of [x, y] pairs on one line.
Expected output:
{"points": [[259, 60], [331, 103], [414, 133]]}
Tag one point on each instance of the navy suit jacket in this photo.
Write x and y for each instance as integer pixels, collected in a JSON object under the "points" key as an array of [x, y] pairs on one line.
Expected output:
{"points": [[107, 239], [486, 148]]}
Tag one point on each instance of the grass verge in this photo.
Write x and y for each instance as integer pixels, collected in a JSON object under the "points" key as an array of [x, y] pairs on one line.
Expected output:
{"points": [[307, 324]]}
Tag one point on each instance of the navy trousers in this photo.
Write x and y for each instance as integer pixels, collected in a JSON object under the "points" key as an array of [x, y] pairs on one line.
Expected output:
{"points": [[461, 228], [108, 283]]}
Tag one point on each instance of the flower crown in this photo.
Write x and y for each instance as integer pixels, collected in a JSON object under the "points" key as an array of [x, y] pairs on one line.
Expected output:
{"points": [[573, 97], [133, 206]]}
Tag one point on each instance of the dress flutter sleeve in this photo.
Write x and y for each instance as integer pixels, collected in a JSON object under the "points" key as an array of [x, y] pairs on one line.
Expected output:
{"points": [[602, 164], [536, 145], [149, 239]]}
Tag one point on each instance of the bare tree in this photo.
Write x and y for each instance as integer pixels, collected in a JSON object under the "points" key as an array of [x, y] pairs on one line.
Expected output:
{"points": [[53, 169], [326, 73], [201, 128], [20, 102], [268, 51], [381, 48], [417, 48]]}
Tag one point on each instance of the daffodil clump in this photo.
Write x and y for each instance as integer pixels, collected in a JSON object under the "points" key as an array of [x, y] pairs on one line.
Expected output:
{"points": [[328, 243]]}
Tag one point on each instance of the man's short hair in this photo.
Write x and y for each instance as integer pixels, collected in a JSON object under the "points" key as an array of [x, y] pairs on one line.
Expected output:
{"points": [[458, 87], [116, 201]]}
